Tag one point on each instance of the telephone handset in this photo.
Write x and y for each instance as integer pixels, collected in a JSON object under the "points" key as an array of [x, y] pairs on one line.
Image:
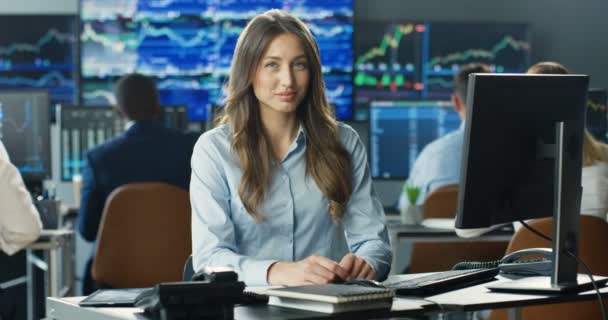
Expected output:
{"points": [[516, 262], [212, 297]]}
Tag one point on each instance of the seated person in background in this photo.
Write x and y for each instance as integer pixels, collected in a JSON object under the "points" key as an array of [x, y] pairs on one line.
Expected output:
{"points": [[19, 220], [146, 152], [439, 162], [594, 200], [281, 192]]}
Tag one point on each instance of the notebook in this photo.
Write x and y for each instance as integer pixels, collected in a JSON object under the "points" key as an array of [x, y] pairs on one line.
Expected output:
{"points": [[331, 298]]}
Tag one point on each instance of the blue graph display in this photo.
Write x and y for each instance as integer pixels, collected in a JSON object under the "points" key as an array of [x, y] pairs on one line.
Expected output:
{"points": [[39, 52], [24, 130], [399, 131], [418, 60], [187, 45]]}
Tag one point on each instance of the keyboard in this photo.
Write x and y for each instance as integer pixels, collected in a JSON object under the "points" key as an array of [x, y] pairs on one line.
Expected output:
{"points": [[439, 282]]}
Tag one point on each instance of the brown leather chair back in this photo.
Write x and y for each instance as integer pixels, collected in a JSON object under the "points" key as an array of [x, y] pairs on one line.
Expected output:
{"points": [[593, 235], [440, 256], [441, 202], [144, 236]]}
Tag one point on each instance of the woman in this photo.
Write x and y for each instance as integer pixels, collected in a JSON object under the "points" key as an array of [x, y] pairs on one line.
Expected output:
{"points": [[281, 192]]}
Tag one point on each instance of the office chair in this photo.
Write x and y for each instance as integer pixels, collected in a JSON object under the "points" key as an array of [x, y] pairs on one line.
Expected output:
{"points": [[593, 233], [440, 256], [144, 236]]}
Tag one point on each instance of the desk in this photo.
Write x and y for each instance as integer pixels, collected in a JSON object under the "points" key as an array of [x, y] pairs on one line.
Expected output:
{"points": [[468, 299], [399, 232], [59, 265]]}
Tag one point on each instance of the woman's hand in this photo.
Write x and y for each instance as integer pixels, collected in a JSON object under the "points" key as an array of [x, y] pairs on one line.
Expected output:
{"points": [[357, 268], [314, 269]]}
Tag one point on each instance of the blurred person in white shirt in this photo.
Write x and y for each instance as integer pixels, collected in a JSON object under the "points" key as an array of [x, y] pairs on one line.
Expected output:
{"points": [[20, 222]]}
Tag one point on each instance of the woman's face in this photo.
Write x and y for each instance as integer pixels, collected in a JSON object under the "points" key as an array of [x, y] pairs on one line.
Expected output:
{"points": [[282, 77]]}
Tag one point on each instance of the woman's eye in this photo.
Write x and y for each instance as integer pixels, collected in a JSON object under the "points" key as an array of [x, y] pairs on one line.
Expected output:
{"points": [[271, 65], [300, 65]]}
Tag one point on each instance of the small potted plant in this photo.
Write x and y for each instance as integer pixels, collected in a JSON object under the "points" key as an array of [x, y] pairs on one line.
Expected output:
{"points": [[411, 213]]}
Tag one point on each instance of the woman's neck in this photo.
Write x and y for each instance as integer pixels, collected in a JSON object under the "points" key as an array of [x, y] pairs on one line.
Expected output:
{"points": [[281, 129]]}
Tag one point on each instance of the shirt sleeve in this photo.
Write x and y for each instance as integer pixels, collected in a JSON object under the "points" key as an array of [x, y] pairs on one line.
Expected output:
{"points": [[364, 220], [91, 204], [213, 237], [19, 220]]}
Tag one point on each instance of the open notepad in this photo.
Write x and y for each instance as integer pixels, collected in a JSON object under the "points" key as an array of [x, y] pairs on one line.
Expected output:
{"points": [[331, 298]]}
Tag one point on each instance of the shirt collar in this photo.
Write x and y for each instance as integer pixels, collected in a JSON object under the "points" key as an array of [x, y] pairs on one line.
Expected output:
{"points": [[301, 137]]}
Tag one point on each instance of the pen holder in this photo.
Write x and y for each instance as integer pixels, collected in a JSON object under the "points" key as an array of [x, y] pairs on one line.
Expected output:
{"points": [[48, 210], [411, 214]]}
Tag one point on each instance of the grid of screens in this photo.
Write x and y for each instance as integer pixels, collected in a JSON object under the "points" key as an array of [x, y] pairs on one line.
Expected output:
{"points": [[399, 130], [188, 45], [597, 114], [417, 60], [83, 128], [25, 132], [39, 51]]}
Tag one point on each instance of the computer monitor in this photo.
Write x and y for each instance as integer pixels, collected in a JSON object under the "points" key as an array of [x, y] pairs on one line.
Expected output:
{"points": [[81, 129], [175, 117], [399, 130], [597, 114], [522, 158], [417, 60], [40, 52], [25, 131], [187, 47]]}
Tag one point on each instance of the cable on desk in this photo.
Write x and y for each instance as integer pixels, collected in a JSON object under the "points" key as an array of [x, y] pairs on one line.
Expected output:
{"points": [[580, 261]]}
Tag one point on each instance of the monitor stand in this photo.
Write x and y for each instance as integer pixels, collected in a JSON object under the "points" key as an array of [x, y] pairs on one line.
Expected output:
{"points": [[566, 219]]}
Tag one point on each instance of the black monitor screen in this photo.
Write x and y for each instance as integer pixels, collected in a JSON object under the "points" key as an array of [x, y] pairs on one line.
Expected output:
{"points": [[597, 115], [418, 60], [25, 131], [510, 150], [188, 47], [399, 130], [40, 51], [81, 129]]}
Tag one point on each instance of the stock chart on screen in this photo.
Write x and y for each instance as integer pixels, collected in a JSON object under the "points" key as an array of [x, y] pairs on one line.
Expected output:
{"points": [[399, 130], [39, 52], [417, 60], [597, 114], [187, 46], [25, 131]]}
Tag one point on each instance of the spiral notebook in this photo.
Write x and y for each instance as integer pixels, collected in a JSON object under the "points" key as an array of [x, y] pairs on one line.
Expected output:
{"points": [[331, 298]]}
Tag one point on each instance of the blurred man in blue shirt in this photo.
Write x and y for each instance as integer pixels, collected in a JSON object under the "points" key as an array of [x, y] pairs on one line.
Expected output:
{"points": [[439, 162]]}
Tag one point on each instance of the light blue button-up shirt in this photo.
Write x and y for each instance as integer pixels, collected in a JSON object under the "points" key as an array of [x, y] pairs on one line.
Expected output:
{"points": [[437, 165], [296, 221]]}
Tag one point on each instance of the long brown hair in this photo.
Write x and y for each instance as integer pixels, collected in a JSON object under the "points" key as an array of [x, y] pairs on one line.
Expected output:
{"points": [[327, 161], [593, 150]]}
